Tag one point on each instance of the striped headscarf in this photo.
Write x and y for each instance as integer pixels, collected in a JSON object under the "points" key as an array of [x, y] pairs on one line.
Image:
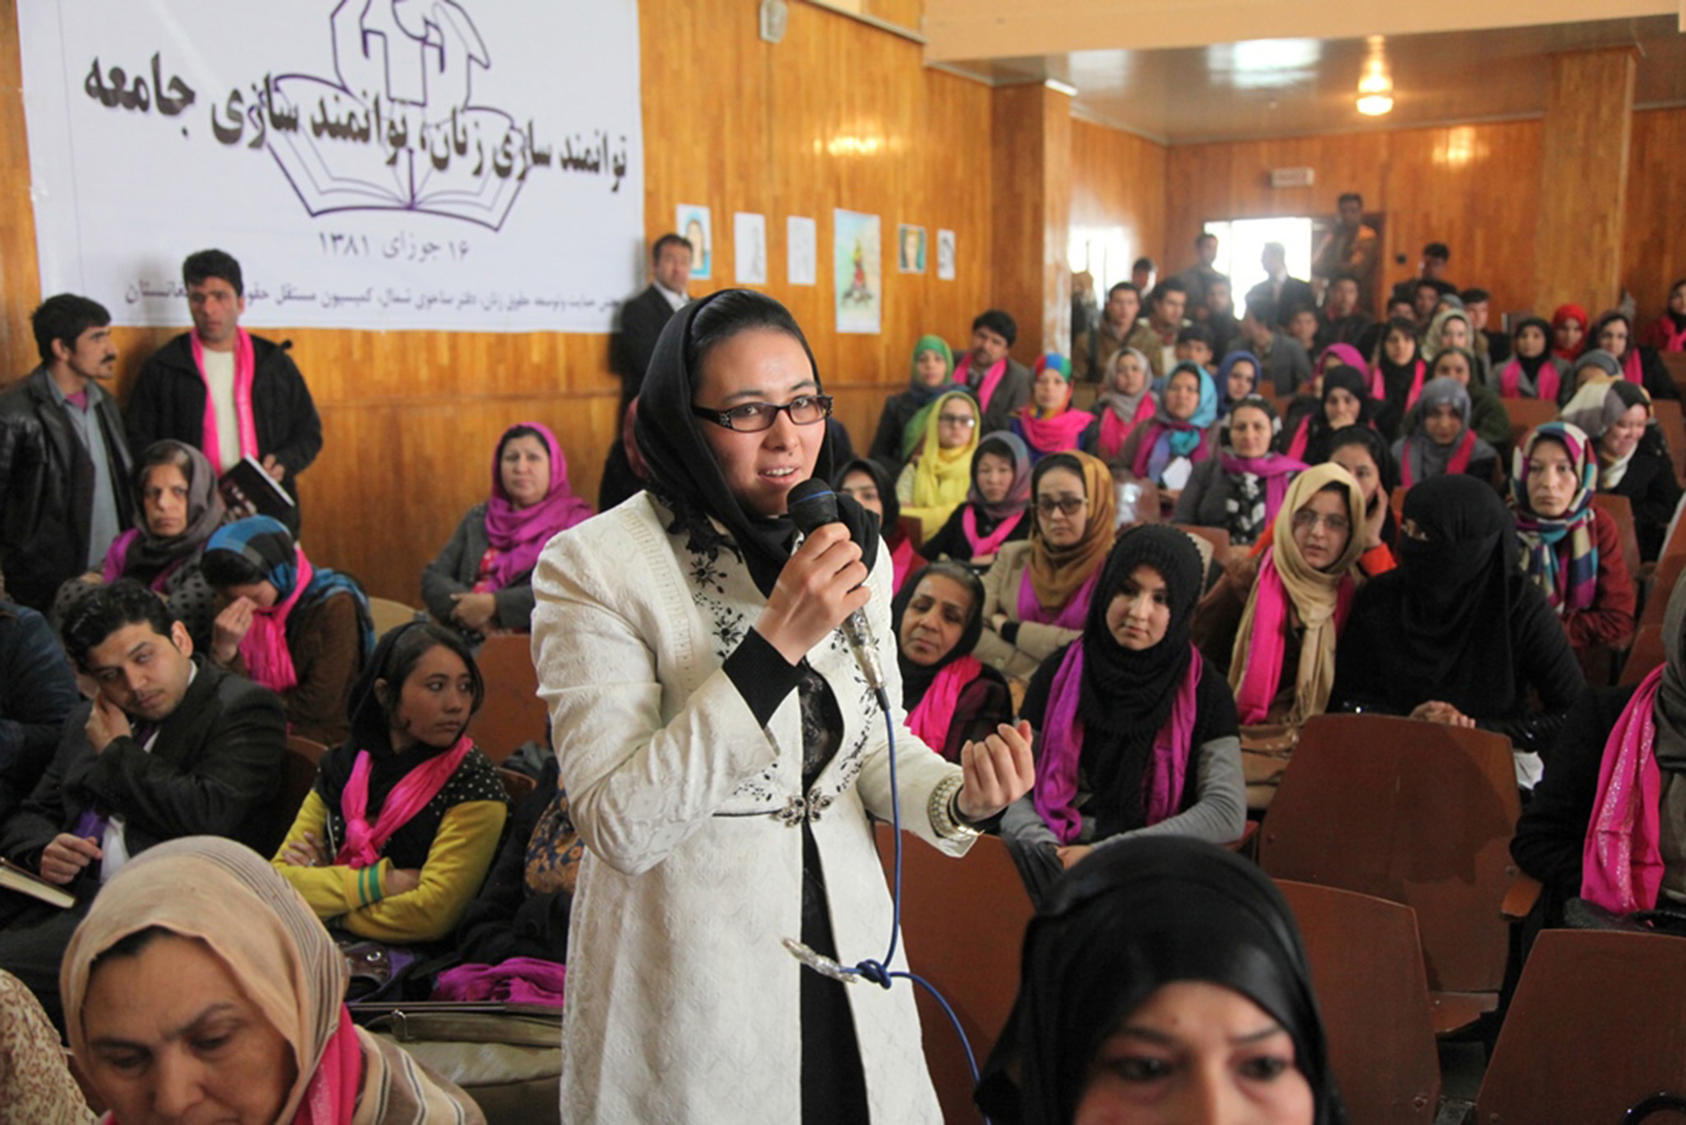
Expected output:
{"points": [[1559, 553]]}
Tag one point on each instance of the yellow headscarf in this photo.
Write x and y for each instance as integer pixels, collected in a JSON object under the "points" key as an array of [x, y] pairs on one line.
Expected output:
{"points": [[942, 477]]}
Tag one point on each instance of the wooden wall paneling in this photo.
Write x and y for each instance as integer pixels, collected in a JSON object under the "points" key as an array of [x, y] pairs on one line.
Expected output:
{"points": [[1056, 221], [1030, 156], [20, 276], [1653, 235], [1117, 199], [1588, 127]]}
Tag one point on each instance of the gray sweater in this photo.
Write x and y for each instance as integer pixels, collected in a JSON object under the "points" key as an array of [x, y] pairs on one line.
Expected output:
{"points": [[456, 568]]}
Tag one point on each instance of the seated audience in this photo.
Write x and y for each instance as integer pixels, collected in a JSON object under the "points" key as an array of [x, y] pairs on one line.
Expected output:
{"points": [[1166, 305], [1037, 592], [1450, 330], [951, 698], [1242, 487], [1342, 320], [1363, 453], [898, 431], [37, 692], [1607, 821], [1594, 365], [1302, 327], [1487, 414], [401, 824], [1047, 423], [1532, 371], [935, 482], [1161, 980], [169, 746], [1403, 371], [994, 511], [1568, 332], [1166, 448], [1345, 402], [1135, 733], [1238, 377], [1614, 334], [1125, 402], [301, 632], [1668, 332], [1284, 360], [1492, 348], [1571, 549], [865, 480], [1194, 345], [200, 972], [997, 382], [524, 907], [1458, 634], [483, 580], [1438, 438], [1633, 460]]}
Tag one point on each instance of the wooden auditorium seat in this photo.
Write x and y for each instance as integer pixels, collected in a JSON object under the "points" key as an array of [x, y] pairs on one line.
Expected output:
{"points": [[388, 615], [1525, 414], [1669, 420], [513, 712], [1367, 969], [1661, 585], [1620, 509], [298, 774], [963, 922], [1594, 1029], [1675, 362], [1416, 813], [1647, 652]]}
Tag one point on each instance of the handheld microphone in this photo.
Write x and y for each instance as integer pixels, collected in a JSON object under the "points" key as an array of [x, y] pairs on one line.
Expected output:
{"points": [[812, 505]]}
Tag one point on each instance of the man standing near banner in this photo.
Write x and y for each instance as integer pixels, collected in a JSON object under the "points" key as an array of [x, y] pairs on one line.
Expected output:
{"points": [[223, 390], [644, 316]]}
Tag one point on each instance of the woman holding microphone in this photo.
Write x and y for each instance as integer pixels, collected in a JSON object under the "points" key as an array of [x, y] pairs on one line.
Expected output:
{"points": [[721, 750]]}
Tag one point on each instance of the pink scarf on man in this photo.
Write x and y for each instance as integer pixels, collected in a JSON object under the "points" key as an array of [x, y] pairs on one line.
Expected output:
{"points": [[991, 379], [1621, 861], [245, 367], [364, 841], [933, 716], [269, 662]]}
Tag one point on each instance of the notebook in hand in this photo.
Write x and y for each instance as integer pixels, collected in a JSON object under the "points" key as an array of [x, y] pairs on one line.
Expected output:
{"points": [[15, 878], [250, 491]]}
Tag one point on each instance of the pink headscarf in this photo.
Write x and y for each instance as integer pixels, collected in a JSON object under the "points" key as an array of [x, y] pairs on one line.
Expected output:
{"points": [[1350, 356], [519, 534]]}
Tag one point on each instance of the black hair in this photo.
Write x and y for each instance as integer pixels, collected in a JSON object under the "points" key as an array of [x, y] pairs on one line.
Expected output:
{"points": [[1437, 250], [64, 317], [1261, 307], [999, 323], [1400, 299], [161, 453], [1056, 461], [401, 650], [666, 240], [1130, 285], [106, 609], [1472, 296], [739, 310], [1195, 333], [222, 569], [129, 945], [1143, 263], [1202, 237], [1344, 275], [1169, 285], [514, 432], [206, 264], [1346, 195], [1297, 308], [1428, 283], [1676, 285]]}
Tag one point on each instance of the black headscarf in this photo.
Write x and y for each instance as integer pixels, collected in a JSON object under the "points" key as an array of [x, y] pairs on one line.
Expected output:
{"points": [[1387, 471], [682, 471], [1318, 431], [886, 490], [1531, 365], [1131, 918], [1396, 381], [916, 678]]}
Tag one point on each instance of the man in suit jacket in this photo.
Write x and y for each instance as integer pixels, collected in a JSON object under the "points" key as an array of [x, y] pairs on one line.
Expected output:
{"points": [[1000, 383], [169, 746], [1284, 293], [644, 316], [1286, 363]]}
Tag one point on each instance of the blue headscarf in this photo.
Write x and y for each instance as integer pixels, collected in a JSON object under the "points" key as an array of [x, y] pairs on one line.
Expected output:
{"points": [[1184, 442], [1224, 368], [265, 542]]}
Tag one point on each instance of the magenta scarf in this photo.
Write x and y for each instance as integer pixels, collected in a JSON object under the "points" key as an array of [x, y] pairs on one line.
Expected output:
{"points": [[1056, 433], [992, 379], [1621, 861], [933, 716], [1302, 435], [1275, 469], [1115, 430], [245, 367], [1510, 380], [269, 662], [1632, 369], [117, 558], [902, 560], [519, 534], [1070, 616], [1160, 427], [991, 543], [1062, 749], [1458, 464], [1263, 677], [363, 841], [518, 980]]}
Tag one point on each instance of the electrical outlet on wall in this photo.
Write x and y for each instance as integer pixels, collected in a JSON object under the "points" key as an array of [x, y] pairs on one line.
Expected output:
{"points": [[774, 16]]}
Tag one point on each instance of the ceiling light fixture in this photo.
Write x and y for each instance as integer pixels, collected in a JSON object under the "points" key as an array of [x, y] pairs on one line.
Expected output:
{"points": [[1375, 83]]}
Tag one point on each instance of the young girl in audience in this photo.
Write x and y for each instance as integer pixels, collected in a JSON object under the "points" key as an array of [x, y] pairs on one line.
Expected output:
{"points": [[1438, 437], [1568, 332], [300, 631], [935, 483], [1238, 378], [1125, 402], [1633, 460], [1241, 489], [178, 507], [1345, 402], [1487, 414], [1532, 371], [866, 480], [199, 969], [1167, 447], [401, 824], [483, 579], [1668, 332], [1037, 593], [1135, 732], [1403, 372], [1606, 823], [898, 433], [1571, 549], [1458, 634], [1614, 333], [951, 698], [1163, 978], [1047, 423], [994, 513]]}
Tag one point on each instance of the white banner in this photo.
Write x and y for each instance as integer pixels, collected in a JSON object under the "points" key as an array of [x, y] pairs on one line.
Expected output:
{"points": [[425, 164]]}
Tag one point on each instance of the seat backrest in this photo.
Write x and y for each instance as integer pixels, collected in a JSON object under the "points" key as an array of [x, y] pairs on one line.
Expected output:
{"points": [[1367, 970], [298, 774], [1414, 812], [513, 712], [913, 530], [1673, 425], [1647, 652], [1525, 414], [1595, 1027], [1675, 363], [1662, 585], [963, 923], [516, 784], [1218, 537], [1620, 509], [388, 615]]}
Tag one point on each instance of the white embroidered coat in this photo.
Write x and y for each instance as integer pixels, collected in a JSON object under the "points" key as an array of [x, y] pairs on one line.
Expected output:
{"points": [[682, 1003]]}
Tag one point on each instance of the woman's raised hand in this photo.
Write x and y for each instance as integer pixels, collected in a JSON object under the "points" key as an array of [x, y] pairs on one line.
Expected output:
{"points": [[996, 772], [821, 585]]}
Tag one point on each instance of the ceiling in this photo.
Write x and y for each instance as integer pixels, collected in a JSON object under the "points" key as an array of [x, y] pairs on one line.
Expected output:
{"points": [[1284, 87]]}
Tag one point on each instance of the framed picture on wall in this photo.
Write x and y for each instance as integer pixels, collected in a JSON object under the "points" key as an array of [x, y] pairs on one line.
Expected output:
{"points": [[857, 269], [694, 226], [910, 249], [945, 255]]}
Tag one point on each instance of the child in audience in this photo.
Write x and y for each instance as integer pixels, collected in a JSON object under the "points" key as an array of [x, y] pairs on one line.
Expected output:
{"points": [[900, 423], [1668, 332], [951, 698], [995, 510], [866, 480], [1532, 371], [483, 579], [1047, 423], [1614, 333], [301, 632], [1194, 345], [1633, 459], [1438, 438], [1125, 402], [401, 824], [1241, 489], [1179, 436], [1135, 733], [1037, 593], [936, 481]]}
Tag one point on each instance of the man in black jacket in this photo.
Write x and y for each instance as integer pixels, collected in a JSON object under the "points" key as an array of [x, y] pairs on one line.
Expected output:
{"points": [[258, 402], [644, 316], [169, 746], [64, 463]]}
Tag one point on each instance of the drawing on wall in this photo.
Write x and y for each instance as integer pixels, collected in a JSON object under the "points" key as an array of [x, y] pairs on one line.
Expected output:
{"points": [[857, 270], [749, 247], [945, 255], [695, 227], [910, 243], [802, 250]]}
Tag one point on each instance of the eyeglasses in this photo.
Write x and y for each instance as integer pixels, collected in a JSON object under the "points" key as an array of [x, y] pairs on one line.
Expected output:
{"points": [[965, 420], [1069, 505], [1305, 519], [751, 417]]}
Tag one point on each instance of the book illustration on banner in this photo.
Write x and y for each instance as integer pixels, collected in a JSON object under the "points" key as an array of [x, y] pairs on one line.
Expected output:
{"points": [[15, 878], [695, 227], [247, 490], [749, 247], [910, 242], [945, 255], [857, 270]]}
